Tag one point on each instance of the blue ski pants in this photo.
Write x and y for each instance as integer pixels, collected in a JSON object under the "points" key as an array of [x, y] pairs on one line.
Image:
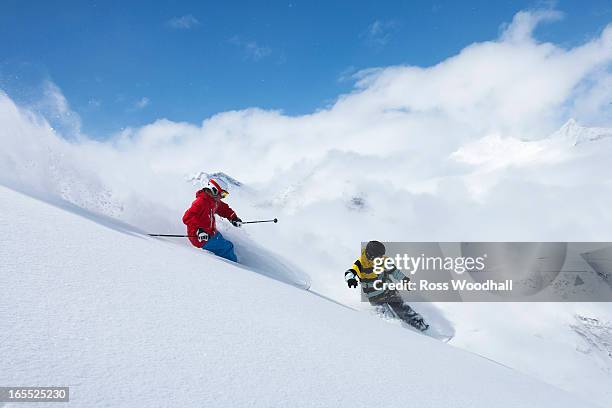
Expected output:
{"points": [[220, 247]]}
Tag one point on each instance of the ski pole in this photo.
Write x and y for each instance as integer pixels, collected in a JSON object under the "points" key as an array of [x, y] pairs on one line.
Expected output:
{"points": [[275, 220], [259, 221], [172, 235]]}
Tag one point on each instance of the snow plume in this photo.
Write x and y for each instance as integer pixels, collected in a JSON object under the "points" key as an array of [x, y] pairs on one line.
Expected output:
{"points": [[456, 151], [54, 107]]}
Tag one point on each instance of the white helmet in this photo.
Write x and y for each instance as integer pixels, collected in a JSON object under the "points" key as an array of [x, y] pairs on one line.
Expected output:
{"points": [[217, 186]]}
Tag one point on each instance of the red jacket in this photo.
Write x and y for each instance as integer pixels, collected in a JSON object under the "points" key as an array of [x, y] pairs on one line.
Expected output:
{"points": [[201, 214]]}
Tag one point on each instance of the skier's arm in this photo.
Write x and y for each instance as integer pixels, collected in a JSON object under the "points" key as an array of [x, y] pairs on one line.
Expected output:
{"points": [[193, 212], [225, 211]]}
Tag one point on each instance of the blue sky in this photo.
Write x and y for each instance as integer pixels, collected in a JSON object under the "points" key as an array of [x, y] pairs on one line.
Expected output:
{"points": [[125, 64]]}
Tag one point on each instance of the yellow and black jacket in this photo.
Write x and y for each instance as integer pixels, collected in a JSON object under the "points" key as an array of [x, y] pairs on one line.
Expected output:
{"points": [[363, 269]]}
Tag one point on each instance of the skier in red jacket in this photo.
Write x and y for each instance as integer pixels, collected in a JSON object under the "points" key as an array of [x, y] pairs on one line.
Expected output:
{"points": [[200, 219]]}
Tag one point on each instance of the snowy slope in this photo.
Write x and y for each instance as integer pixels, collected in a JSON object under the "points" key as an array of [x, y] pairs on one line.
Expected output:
{"points": [[126, 320]]}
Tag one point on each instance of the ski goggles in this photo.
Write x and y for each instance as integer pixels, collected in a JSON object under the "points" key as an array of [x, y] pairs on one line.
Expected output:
{"points": [[216, 189], [216, 192]]}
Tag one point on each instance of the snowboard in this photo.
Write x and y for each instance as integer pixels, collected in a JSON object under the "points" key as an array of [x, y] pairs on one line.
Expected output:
{"points": [[385, 312]]}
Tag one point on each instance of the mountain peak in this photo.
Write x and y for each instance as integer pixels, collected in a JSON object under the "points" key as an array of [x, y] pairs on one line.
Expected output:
{"points": [[201, 177], [578, 134]]}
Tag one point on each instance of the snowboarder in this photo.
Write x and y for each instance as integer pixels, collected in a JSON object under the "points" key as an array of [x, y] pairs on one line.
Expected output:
{"points": [[200, 219], [363, 269]]}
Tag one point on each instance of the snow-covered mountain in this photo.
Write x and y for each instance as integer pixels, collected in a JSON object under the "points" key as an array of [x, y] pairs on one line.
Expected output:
{"points": [[577, 134], [126, 320]]}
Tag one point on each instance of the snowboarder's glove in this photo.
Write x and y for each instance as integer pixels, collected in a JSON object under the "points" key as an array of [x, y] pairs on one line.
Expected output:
{"points": [[351, 279], [202, 235], [236, 221]]}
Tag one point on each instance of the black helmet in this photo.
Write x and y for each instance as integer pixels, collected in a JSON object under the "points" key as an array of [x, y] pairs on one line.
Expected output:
{"points": [[374, 249]]}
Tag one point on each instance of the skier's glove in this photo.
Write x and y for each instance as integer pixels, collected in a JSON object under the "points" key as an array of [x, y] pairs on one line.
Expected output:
{"points": [[236, 221], [352, 283], [202, 235]]}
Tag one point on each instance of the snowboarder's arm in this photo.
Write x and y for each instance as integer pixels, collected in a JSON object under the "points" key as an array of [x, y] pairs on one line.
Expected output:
{"points": [[352, 272], [351, 278], [396, 274]]}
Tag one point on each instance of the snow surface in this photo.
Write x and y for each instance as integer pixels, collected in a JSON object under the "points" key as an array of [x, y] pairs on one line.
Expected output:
{"points": [[128, 320]]}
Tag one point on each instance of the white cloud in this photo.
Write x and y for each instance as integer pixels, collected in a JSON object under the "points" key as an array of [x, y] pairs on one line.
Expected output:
{"points": [[185, 22], [524, 22], [379, 33], [142, 103], [256, 51], [251, 49], [347, 74]]}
